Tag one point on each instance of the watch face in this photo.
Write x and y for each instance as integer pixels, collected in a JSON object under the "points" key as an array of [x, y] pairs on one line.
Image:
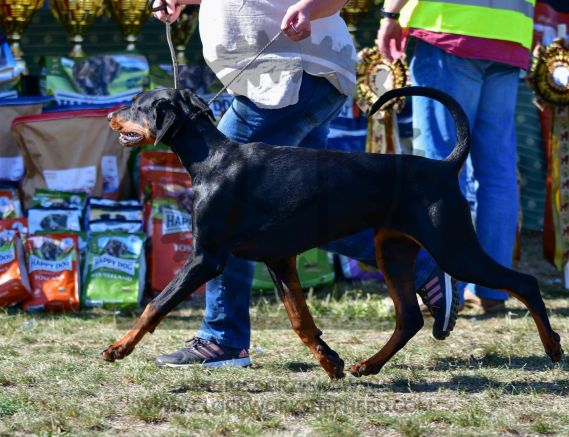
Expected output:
{"points": [[375, 76]]}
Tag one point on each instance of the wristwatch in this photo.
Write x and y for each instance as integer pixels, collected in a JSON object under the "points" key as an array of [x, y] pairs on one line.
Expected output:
{"points": [[393, 15]]}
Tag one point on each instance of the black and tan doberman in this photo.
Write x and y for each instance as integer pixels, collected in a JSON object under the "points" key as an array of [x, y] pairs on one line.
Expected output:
{"points": [[269, 203]]}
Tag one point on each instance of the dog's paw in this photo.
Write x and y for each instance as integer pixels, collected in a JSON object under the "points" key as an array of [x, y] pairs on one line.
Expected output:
{"points": [[361, 368], [555, 351], [115, 352], [330, 361]]}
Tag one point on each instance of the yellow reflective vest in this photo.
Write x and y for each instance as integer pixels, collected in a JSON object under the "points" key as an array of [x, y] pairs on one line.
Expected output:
{"points": [[508, 20]]}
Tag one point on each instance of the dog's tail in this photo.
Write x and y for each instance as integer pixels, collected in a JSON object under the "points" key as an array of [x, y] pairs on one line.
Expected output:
{"points": [[462, 148]]}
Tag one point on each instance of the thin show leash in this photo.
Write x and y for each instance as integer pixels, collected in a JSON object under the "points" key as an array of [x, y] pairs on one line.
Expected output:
{"points": [[172, 53], [163, 7]]}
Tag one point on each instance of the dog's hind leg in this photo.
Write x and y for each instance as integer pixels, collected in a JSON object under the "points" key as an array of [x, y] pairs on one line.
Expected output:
{"points": [[395, 255], [196, 271], [473, 265], [453, 243], [284, 274]]}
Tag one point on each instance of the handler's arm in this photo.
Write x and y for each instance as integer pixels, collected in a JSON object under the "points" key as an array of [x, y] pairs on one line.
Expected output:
{"points": [[297, 19], [174, 7], [390, 35]]}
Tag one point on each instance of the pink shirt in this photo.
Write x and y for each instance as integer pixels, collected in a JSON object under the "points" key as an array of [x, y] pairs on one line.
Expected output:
{"points": [[505, 52]]}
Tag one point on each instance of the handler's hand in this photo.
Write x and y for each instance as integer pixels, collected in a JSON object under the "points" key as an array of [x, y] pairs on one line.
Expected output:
{"points": [[390, 39], [173, 10], [296, 22]]}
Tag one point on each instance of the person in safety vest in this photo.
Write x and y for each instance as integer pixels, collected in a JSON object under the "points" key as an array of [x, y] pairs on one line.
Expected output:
{"points": [[473, 50]]}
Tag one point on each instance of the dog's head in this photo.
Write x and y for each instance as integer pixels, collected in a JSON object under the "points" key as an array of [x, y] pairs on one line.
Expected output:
{"points": [[156, 115]]}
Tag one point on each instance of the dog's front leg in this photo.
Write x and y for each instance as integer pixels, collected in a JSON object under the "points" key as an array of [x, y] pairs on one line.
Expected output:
{"points": [[285, 277], [196, 271]]}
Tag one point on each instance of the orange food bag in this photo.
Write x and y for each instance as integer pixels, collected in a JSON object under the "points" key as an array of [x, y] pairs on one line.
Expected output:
{"points": [[170, 231], [53, 265], [14, 282]]}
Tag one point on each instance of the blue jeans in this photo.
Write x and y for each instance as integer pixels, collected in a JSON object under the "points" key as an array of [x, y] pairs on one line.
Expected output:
{"points": [[487, 92], [305, 124]]}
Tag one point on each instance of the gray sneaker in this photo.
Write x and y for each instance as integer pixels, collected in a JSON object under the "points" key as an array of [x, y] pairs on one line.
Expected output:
{"points": [[440, 295], [205, 353]]}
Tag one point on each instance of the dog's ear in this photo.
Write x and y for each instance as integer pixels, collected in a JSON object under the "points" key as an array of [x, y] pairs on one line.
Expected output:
{"points": [[198, 104], [166, 117]]}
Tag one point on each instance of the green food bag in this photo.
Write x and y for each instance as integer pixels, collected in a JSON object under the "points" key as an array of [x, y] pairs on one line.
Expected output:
{"points": [[58, 199], [314, 268], [115, 270]]}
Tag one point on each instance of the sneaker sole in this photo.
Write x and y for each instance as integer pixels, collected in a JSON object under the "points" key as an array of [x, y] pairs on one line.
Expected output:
{"points": [[448, 297], [236, 362], [451, 313]]}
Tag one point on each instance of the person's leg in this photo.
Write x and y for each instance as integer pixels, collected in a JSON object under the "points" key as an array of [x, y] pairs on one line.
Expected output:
{"points": [[494, 162], [435, 130]]}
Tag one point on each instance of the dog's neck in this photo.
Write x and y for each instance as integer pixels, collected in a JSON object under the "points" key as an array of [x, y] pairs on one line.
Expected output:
{"points": [[196, 142]]}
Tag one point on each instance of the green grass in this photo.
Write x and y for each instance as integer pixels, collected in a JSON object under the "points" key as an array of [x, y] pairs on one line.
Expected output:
{"points": [[491, 377]]}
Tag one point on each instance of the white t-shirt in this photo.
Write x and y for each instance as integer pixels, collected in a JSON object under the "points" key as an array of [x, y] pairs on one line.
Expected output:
{"points": [[234, 31]]}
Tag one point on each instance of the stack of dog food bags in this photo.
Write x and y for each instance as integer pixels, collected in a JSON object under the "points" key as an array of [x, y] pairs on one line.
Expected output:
{"points": [[14, 282], [53, 250], [166, 190], [116, 264]]}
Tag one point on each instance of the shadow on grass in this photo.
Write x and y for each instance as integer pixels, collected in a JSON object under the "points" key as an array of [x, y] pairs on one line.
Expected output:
{"points": [[530, 363], [479, 384], [298, 366]]}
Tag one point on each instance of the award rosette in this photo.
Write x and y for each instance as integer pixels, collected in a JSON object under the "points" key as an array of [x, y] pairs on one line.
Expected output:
{"points": [[549, 77], [375, 76]]}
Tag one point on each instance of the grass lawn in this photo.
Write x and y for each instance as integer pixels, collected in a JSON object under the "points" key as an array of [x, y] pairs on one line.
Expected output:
{"points": [[491, 377]]}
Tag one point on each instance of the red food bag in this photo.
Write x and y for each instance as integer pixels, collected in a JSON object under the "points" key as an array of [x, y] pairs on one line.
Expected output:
{"points": [[170, 231], [53, 265], [14, 282], [160, 167], [18, 224]]}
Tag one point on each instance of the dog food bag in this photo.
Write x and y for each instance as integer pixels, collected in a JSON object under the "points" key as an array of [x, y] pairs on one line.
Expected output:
{"points": [[128, 226], [170, 231], [14, 282], [11, 160], [58, 199], [72, 151], [95, 202], [124, 213], [160, 167], [110, 215], [116, 270], [54, 219], [10, 206], [98, 79], [53, 266], [18, 224], [82, 247]]}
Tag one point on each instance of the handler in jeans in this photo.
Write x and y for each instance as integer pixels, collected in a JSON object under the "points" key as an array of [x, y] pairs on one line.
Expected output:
{"points": [[472, 50], [287, 97]]}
